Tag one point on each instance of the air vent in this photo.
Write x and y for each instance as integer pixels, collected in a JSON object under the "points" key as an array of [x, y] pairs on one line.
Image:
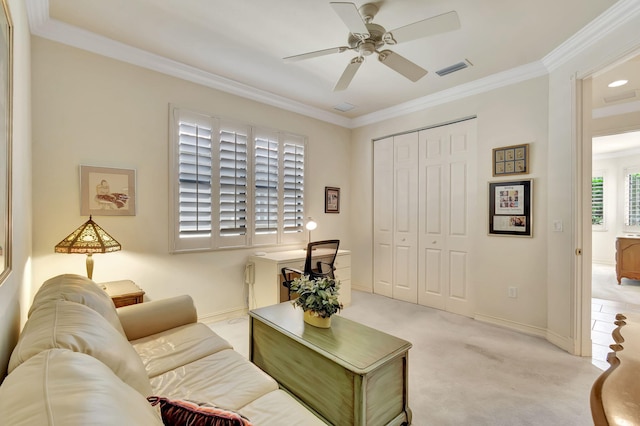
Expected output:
{"points": [[344, 107], [455, 67], [620, 97]]}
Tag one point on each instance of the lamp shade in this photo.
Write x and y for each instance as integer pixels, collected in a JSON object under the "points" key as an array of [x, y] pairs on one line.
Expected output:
{"points": [[87, 239]]}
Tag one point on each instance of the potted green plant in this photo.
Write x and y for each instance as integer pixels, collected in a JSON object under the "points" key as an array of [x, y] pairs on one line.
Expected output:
{"points": [[318, 298]]}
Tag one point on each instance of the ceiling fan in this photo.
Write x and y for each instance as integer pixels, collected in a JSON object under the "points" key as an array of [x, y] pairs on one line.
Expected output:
{"points": [[367, 38]]}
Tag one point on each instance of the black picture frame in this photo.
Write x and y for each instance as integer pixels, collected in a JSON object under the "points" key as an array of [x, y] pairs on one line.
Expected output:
{"points": [[331, 199], [510, 208]]}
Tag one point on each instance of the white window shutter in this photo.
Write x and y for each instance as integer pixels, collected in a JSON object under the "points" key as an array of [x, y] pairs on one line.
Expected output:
{"points": [[293, 188], [266, 188]]}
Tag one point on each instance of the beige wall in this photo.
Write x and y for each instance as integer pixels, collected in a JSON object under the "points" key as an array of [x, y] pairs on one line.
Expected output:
{"points": [[12, 290], [507, 116], [94, 110]]}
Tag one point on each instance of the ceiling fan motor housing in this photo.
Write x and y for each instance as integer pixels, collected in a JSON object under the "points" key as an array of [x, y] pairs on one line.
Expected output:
{"points": [[370, 44]]}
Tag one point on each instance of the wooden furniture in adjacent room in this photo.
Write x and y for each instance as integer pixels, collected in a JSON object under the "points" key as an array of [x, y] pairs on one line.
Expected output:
{"points": [[615, 395], [349, 374], [264, 276], [627, 258], [123, 293]]}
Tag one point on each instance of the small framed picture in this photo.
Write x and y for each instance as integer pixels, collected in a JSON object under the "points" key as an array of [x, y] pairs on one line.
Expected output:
{"points": [[107, 192], [510, 208], [511, 160], [331, 200]]}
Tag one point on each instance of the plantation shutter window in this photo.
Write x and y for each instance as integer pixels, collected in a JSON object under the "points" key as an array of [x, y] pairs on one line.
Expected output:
{"points": [[233, 182], [266, 185], [632, 199], [293, 197], [233, 185], [597, 201]]}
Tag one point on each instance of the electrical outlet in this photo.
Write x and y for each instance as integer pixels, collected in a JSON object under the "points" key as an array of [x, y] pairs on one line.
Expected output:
{"points": [[513, 292]]}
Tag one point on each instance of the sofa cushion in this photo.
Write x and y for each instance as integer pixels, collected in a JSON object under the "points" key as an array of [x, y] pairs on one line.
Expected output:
{"points": [[225, 379], [268, 411], [61, 387], [69, 325], [176, 412], [79, 289], [170, 349]]}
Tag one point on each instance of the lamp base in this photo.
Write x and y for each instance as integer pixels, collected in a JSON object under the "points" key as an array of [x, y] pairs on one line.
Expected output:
{"points": [[89, 265]]}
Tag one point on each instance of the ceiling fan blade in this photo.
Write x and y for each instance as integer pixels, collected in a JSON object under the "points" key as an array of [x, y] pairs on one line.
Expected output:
{"points": [[348, 74], [402, 65], [349, 14], [435, 25], [315, 54]]}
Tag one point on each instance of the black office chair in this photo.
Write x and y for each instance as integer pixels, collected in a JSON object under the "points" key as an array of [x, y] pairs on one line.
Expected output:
{"points": [[321, 255]]}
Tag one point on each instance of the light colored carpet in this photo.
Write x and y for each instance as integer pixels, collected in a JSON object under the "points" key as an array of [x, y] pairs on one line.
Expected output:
{"points": [[605, 286], [464, 372]]}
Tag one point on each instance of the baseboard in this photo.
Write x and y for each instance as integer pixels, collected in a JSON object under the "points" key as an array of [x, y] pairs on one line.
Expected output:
{"points": [[562, 342], [223, 316], [361, 288], [522, 328]]}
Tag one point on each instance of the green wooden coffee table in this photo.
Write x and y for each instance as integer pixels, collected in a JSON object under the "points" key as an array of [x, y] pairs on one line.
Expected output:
{"points": [[349, 374]]}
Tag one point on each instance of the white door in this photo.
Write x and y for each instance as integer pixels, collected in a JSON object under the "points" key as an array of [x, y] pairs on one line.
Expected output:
{"points": [[383, 217], [447, 200], [405, 218]]}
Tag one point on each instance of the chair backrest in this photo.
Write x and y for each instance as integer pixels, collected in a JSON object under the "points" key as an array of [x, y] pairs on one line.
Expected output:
{"points": [[321, 255]]}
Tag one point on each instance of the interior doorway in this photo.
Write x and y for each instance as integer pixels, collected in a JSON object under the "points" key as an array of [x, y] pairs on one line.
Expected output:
{"points": [[611, 146]]}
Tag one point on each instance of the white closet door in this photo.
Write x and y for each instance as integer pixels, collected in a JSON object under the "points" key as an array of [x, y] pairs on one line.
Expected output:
{"points": [[447, 200], [405, 218], [383, 217]]}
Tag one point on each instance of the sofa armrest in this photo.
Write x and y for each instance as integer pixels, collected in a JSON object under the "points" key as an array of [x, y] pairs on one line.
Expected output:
{"points": [[144, 319]]}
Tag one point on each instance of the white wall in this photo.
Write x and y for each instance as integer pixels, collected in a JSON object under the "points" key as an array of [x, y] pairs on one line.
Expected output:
{"points": [[11, 291], [94, 110], [507, 116]]}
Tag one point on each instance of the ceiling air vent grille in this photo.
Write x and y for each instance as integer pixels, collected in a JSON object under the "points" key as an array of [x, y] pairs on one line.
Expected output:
{"points": [[453, 68]]}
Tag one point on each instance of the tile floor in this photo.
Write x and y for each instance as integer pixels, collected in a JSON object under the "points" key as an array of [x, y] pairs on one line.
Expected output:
{"points": [[603, 314]]}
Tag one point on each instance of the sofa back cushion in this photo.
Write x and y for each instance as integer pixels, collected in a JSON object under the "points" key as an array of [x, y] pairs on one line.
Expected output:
{"points": [[61, 387], [69, 325], [79, 289]]}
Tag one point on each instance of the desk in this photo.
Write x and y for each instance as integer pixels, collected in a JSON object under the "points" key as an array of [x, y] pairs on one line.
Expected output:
{"points": [[627, 258], [349, 374], [265, 276]]}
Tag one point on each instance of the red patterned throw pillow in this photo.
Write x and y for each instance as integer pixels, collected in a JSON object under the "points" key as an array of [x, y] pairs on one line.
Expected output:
{"points": [[177, 412]]}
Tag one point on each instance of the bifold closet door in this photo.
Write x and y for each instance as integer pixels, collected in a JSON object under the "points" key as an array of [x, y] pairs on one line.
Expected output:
{"points": [[383, 217], [405, 217], [395, 181], [447, 199]]}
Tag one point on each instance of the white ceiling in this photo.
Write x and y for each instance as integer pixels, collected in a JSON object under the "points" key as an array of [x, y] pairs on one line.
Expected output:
{"points": [[238, 45]]}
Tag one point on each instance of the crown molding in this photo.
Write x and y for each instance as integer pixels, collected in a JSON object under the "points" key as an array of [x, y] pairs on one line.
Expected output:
{"points": [[614, 17], [42, 25], [486, 84]]}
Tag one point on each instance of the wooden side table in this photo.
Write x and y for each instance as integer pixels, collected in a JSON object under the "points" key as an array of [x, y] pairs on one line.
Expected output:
{"points": [[123, 293]]}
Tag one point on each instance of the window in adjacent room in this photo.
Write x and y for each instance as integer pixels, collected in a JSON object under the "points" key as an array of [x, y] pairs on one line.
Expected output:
{"points": [[632, 199], [597, 201], [234, 185]]}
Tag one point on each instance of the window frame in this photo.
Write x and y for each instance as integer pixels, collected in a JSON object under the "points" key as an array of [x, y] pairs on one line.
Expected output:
{"points": [[216, 241]]}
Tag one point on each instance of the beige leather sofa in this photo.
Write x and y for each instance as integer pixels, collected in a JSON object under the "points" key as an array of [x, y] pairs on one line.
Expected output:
{"points": [[80, 361]]}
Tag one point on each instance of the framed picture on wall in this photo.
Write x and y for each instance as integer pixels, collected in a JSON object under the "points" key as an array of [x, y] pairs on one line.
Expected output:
{"points": [[106, 191], [511, 160], [331, 200], [510, 208]]}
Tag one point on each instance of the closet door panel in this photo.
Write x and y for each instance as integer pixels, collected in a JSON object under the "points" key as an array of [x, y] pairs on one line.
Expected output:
{"points": [[383, 217], [405, 213]]}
